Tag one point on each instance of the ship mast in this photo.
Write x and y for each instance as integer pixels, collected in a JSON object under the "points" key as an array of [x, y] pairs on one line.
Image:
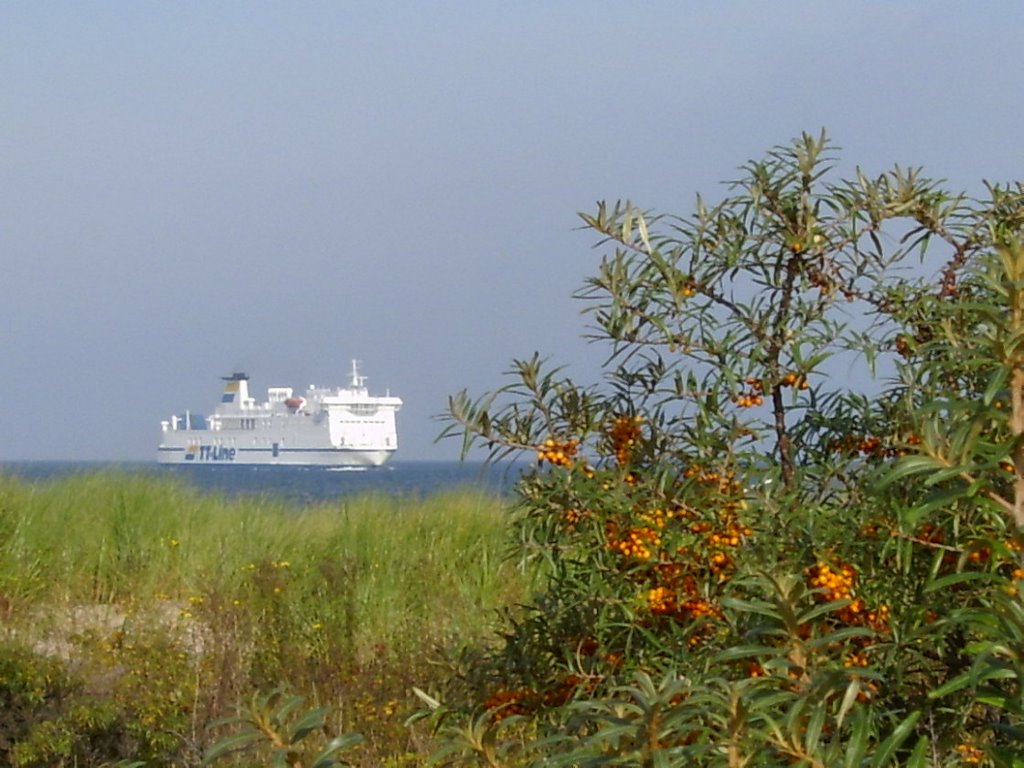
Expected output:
{"points": [[358, 382]]}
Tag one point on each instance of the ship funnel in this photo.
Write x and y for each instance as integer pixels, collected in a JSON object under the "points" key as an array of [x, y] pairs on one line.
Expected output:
{"points": [[236, 389]]}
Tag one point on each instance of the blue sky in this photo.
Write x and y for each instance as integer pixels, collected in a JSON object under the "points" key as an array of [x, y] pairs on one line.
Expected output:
{"points": [[191, 188]]}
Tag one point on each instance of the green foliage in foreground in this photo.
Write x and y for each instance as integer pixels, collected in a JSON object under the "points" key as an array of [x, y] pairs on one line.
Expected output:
{"points": [[279, 723], [138, 612], [759, 552]]}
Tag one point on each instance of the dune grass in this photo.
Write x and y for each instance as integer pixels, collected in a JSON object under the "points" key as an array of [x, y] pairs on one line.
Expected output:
{"points": [[122, 538], [350, 603]]}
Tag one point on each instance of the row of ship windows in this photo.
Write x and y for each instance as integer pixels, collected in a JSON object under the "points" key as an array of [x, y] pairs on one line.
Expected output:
{"points": [[251, 423], [230, 442], [233, 424], [264, 442]]}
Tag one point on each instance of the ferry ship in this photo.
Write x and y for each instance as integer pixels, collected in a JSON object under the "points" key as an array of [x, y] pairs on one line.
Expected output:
{"points": [[324, 427]]}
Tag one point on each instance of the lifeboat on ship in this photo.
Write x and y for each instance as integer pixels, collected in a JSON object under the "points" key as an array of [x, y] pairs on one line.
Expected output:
{"points": [[294, 403]]}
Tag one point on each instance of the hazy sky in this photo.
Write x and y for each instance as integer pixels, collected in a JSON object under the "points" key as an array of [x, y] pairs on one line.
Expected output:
{"points": [[192, 188]]}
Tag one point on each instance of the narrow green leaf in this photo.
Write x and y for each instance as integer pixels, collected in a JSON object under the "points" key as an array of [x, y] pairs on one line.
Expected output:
{"points": [[311, 721], [919, 757], [849, 699], [887, 749], [220, 722], [952, 686], [230, 744], [745, 652], [995, 385], [947, 473], [290, 704], [837, 636], [814, 727], [641, 224], [820, 610], [999, 700], [909, 465], [747, 606], [960, 578], [857, 746], [338, 744]]}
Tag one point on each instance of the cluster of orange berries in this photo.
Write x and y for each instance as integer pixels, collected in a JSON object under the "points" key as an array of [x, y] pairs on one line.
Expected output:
{"points": [[661, 600], [903, 346], [698, 607], [624, 433], [524, 701], [868, 445], [754, 397], [797, 380], [658, 517], [856, 659], [970, 754], [874, 446], [677, 577], [731, 536], [724, 482], [638, 543], [701, 526], [839, 584], [979, 553], [720, 563], [572, 516], [718, 539], [687, 289], [561, 454], [676, 592], [871, 446], [878, 619], [684, 606], [836, 584], [665, 601]]}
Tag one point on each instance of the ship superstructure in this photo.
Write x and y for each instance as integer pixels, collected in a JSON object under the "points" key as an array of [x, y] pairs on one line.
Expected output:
{"points": [[322, 426]]}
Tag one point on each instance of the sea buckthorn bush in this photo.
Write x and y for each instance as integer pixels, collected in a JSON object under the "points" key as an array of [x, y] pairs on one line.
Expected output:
{"points": [[784, 529]]}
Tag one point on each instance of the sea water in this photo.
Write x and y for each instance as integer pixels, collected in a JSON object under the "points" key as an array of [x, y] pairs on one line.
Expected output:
{"points": [[299, 484]]}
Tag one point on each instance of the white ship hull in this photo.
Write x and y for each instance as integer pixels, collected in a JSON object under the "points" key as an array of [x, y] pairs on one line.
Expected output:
{"points": [[295, 457], [344, 427]]}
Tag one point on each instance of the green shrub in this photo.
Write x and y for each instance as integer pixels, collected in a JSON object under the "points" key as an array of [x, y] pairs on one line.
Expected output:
{"points": [[757, 552], [32, 690]]}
